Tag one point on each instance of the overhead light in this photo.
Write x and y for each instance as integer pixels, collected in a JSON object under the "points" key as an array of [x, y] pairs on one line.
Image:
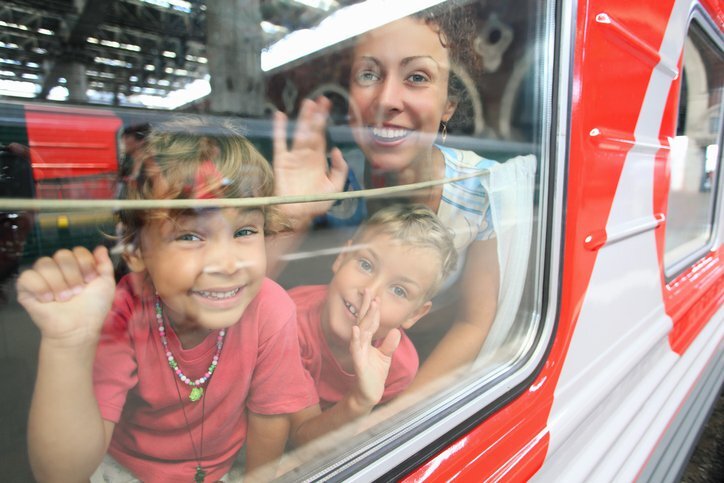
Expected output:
{"points": [[343, 24]]}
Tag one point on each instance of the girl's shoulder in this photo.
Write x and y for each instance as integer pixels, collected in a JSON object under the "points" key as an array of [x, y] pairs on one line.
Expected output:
{"points": [[272, 301]]}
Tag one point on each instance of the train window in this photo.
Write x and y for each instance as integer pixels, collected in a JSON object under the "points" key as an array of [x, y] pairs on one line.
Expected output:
{"points": [[695, 151], [379, 171]]}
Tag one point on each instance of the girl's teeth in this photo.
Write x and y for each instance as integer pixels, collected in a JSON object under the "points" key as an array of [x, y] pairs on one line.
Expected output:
{"points": [[389, 133], [218, 295]]}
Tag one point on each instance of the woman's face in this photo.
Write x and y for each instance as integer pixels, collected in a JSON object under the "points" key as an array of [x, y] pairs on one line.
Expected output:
{"points": [[399, 93]]}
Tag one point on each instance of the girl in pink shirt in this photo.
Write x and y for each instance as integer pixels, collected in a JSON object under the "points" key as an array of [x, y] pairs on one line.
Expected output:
{"points": [[195, 353]]}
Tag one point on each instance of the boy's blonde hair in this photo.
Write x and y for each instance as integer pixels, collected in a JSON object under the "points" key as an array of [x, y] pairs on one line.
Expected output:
{"points": [[418, 226], [195, 158]]}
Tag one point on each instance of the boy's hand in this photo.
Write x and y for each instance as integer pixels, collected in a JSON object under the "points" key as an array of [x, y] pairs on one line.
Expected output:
{"points": [[303, 169], [372, 364], [69, 295]]}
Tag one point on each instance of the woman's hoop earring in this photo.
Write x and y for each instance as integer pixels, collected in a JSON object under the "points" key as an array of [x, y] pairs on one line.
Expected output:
{"points": [[443, 135]]}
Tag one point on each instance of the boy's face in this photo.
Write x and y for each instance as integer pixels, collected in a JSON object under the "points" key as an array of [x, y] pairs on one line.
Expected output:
{"points": [[398, 274], [206, 267]]}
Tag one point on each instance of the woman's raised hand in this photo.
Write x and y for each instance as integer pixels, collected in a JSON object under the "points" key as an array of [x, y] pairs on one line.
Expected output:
{"points": [[303, 169]]}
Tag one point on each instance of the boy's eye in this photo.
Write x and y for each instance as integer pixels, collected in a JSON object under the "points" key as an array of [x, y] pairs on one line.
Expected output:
{"points": [[399, 291], [365, 265], [246, 231]]}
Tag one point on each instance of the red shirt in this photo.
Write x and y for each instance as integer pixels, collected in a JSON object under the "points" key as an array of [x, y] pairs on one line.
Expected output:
{"points": [[259, 369], [331, 380]]}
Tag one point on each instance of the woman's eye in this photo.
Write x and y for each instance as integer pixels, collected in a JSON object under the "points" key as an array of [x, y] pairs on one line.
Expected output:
{"points": [[366, 77], [246, 231], [399, 291], [365, 265], [418, 78]]}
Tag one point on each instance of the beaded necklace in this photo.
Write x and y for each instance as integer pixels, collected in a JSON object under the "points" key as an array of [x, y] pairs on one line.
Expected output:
{"points": [[197, 391]]}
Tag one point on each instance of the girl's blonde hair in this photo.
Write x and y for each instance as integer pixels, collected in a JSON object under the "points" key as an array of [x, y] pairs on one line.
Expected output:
{"points": [[417, 226], [195, 158]]}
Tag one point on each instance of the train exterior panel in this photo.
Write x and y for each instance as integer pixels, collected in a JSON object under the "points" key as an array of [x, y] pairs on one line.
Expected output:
{"points": [[633, 347]]}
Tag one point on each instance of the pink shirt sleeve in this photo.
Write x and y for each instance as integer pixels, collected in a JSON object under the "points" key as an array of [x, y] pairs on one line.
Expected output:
{"points": [[279, 384], [114, 369]]}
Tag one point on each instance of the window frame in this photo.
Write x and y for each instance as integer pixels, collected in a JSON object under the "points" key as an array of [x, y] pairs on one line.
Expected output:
{"points": [[698, 18], [415, 438]]}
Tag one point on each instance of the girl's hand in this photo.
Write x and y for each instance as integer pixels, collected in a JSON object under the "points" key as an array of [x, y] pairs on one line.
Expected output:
{"points": [[69, 295], [372, 364], [303, 169]]}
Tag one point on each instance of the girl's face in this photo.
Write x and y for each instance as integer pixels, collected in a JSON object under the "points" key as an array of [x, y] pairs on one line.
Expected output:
{"points": [[399, 93], [206, 267]]}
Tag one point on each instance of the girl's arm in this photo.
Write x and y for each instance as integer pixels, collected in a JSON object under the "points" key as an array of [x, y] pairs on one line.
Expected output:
{"points": [[68, 297], [462, 343], [266, 438]]}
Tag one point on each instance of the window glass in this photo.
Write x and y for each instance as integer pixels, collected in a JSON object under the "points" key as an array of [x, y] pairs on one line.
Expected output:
{"points": [[333, 201], [695, 153]]}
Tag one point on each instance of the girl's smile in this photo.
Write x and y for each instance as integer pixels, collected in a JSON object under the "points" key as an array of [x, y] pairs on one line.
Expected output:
{"points": [[205, 267]]}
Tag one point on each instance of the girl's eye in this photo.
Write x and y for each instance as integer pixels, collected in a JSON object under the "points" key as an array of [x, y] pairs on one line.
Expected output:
{"points": [[418, 78], [246, 231], [399, 291], [365, 265], [188, 237]]}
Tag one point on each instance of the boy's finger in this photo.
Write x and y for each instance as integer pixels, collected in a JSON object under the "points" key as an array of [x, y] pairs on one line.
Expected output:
{"points": [[279, 132], [372, 319], [364, 307], [354, 343], [390, 342]]}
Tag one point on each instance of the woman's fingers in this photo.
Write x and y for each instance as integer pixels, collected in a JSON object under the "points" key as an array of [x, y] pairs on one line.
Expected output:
{"points": [[279, 134], [338, 169], [311, 125]]}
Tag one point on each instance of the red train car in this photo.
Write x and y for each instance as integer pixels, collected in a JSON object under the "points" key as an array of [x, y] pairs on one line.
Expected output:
{"points": [[606, 353]]}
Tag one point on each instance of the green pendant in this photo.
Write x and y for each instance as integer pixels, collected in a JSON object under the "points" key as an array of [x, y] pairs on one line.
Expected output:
{"points": [[200, 474], [196, 393]]}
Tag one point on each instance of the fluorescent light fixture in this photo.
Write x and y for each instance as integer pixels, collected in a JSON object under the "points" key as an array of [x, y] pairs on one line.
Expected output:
{"points": [[18, 88], [320, 4], [345, 23], [179, 5], [192, 92]]}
